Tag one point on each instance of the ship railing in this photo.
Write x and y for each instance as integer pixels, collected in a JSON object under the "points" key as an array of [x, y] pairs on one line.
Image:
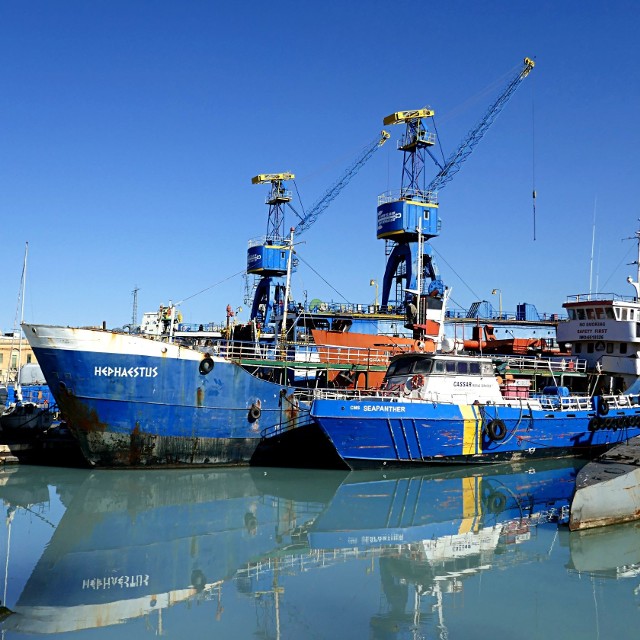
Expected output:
{"points": [[305, 355], [556, 365], [564, 403], [311, 559], [600, 297], [261, 241], [430, 197], [302, 420], [356, 394], [622, 401]]}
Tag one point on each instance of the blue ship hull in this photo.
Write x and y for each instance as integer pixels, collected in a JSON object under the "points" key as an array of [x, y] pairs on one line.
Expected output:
{"points": [[135, 402], [409, 509], [378, 433], [131, 544]]}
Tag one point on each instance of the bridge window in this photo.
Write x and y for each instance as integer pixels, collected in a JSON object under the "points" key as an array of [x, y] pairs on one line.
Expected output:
{"points": [[463, 368], [591, 314], [599, 313], [400, 367], [609, 313], [423, 365], [486, 368], [572, 314], [581, 314]]}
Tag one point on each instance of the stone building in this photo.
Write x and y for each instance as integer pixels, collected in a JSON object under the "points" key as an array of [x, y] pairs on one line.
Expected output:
{"points": [[12, 347]]}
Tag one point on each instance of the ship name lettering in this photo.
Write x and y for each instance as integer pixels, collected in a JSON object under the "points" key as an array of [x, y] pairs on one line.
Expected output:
{"points": [[383, 408], [382, 538], [124, 582], [126, 372]]}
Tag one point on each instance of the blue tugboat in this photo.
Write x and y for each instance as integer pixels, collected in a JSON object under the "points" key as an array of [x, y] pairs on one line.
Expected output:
{"points": [[437, 409]]}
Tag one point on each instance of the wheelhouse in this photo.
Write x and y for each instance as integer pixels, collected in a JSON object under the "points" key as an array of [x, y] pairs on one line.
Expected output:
{"points": [[428, 364]]}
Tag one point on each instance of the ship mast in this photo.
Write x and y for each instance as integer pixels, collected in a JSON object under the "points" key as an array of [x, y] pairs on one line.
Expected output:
{"points": [[283, 328], [636, 283]]}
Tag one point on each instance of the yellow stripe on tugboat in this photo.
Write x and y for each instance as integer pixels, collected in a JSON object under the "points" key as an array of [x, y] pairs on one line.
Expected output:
{"points": [[471, 504], [471, 441]]}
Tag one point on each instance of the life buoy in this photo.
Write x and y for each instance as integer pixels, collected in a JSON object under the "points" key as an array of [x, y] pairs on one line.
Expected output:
{"points": [[602, 407], [418, 346], [206, 365], [496, 429], [417, 381]]}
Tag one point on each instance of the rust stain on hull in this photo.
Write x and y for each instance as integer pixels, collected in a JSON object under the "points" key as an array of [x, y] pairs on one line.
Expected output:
{"points": [[77, 414]]}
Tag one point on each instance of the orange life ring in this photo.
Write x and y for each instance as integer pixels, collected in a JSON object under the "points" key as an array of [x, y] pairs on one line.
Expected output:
{"points": [[417, 381]]}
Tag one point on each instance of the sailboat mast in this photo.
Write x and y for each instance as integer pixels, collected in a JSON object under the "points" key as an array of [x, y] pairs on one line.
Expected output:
{"points": [[18, 391]]}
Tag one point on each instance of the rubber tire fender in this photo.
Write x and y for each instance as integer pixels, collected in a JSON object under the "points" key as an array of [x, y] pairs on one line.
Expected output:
{"points": [[496, 429], [602, 406], [254, 413], [206, 365]]}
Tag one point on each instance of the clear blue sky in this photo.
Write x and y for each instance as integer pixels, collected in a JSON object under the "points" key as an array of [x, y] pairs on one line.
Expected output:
{"points": [[131, 130]]}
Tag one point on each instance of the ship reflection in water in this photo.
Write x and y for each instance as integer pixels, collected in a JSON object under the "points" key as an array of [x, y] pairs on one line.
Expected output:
{"points": [[478, 552]]}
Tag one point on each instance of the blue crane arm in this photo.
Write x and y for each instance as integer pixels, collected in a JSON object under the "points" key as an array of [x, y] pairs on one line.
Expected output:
{"points": [[312, 215], [454, 163]]}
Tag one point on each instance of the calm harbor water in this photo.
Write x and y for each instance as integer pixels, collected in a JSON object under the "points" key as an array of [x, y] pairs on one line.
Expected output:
{"points": [[268, 553]]}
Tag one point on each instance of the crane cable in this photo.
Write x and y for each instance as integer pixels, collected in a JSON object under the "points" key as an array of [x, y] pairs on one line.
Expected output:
{"points": [[533, 158]]}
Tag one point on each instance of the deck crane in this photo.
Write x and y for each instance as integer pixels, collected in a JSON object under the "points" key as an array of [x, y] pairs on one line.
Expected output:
{"points": [[414, 210], [267, 256]]}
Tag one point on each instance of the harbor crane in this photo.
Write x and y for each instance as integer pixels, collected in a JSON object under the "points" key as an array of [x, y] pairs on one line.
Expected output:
{"points": [[413, 211], [267, 256]]}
